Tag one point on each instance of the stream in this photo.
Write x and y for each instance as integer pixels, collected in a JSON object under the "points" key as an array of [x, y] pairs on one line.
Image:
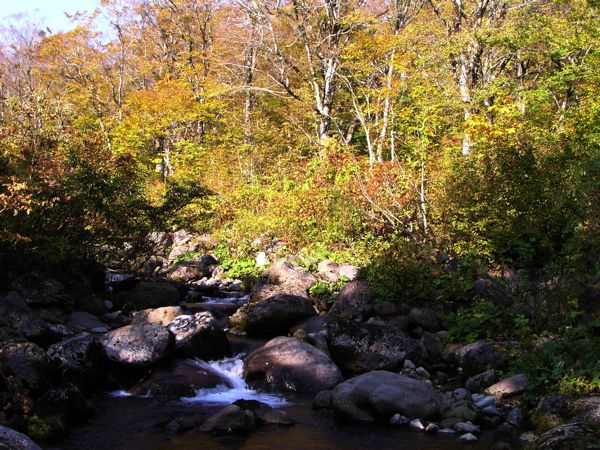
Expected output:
{"points": [[128, 422], [124, 421]]}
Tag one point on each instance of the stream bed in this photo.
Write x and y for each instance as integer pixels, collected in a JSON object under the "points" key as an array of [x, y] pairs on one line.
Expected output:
{"points": [[128, 422]]}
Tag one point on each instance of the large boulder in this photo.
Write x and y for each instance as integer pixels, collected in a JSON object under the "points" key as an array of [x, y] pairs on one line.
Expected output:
{"points": [[288, 364], [200, 335], [355, 301], [379, 395], [271, 317], [180, 379], [13, 440], [137, 346], [148, 294], [362, 347], [15, 313], [283, 278], [79, 360]]}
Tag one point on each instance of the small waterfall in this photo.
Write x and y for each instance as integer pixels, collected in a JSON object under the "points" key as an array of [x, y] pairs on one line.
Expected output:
{"points": [[231, 369]]}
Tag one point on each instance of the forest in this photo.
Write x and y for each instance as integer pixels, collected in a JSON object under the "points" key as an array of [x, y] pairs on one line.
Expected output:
{"points": [[449, 150]]}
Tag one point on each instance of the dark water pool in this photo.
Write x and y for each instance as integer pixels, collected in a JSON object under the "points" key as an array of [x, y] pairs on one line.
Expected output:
{"points": [[138, 424]]}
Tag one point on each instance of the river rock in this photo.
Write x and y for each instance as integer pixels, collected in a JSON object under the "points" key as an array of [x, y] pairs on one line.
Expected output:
{"points": [[230, 420], [271, 317], [79, 360], [508, 387], [571, 436], [179, 379], [158, 316], [382, 394], [15, 313], [200, 335], [354, 302], [362, 347], [283, 278], [13, 440], [148, 294], [291, 365], [464, 410], [264, 414], [137, 345], [467, 438]]}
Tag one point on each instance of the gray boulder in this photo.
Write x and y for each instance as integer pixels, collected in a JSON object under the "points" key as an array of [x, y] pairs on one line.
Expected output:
{"points": [[13, 440], [362, 347], [137, 345], [271, 317], [199, 335], [291, 365], [380, 395]]}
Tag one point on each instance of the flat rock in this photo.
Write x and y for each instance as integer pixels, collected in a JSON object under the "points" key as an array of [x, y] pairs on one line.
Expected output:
{"points": [[508, 387]]}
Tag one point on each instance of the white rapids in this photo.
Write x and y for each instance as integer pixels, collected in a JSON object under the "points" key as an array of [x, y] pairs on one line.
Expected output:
{"points": [[232, 370]]}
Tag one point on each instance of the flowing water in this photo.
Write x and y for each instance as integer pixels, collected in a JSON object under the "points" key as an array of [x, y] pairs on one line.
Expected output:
{"points": [[126, 422]]}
